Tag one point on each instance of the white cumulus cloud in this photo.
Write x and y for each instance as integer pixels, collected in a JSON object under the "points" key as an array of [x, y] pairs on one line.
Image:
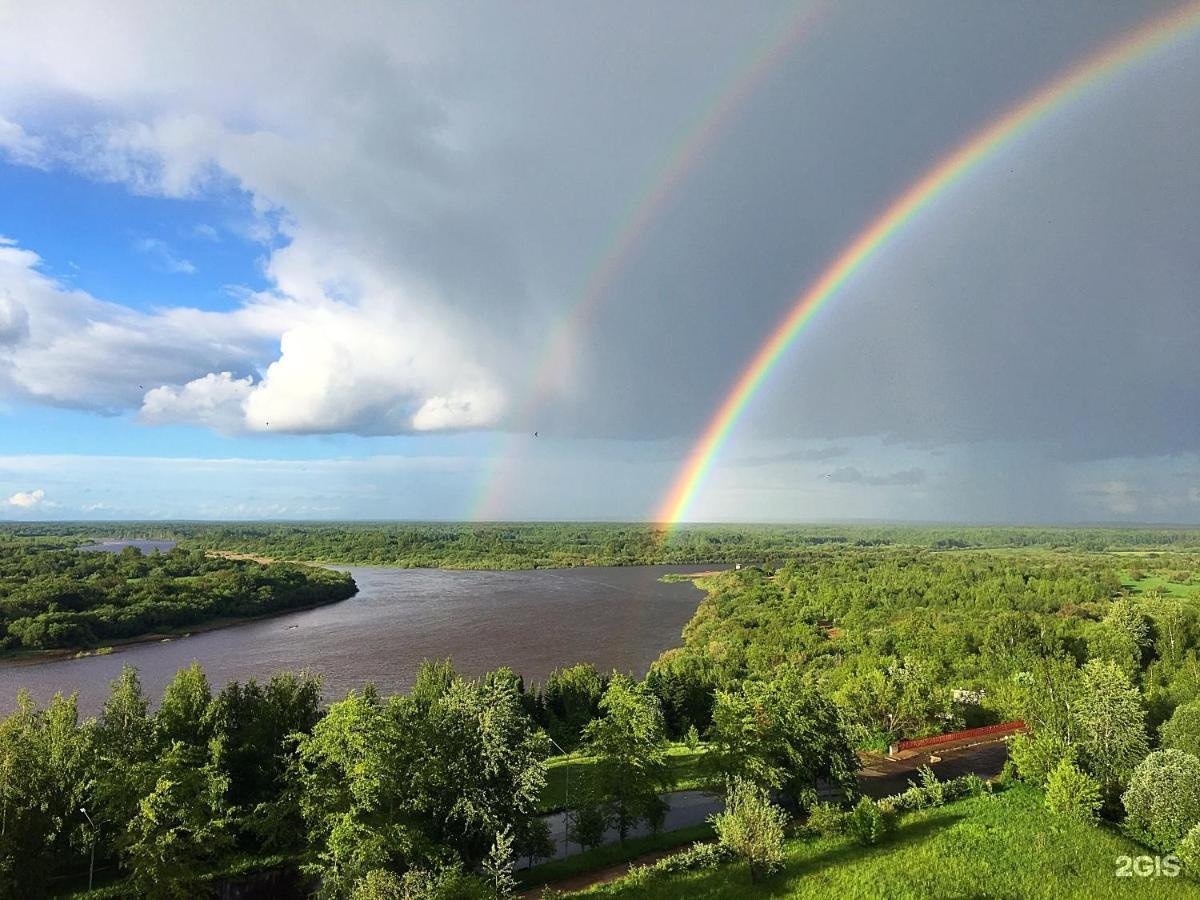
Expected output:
{"points": [[214, 400], [319, 354], [26, 499]]}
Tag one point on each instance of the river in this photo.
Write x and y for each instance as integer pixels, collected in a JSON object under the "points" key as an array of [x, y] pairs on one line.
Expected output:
{"points": [[532, 621]]}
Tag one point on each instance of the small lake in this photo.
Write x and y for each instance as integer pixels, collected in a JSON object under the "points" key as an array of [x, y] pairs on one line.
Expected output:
{"points": [[532, 621]]}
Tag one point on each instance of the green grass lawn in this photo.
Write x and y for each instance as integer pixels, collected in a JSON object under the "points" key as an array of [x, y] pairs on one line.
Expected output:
{"points": [[1167, 588], [563, 772], [1004, 846]]}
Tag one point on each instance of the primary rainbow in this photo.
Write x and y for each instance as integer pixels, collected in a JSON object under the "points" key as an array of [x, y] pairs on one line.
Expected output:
{"points": [[1096, 68], [642, 212]]}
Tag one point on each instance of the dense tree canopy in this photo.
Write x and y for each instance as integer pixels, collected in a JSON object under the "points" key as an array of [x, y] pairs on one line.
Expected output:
{"points": [[56, 599]]}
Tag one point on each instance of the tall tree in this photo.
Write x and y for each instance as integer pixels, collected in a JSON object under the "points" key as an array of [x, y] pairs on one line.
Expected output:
{"points": [[181, 825], [1111, 722], [629, 743], [184, 714], [783, 735], [45, 761]]}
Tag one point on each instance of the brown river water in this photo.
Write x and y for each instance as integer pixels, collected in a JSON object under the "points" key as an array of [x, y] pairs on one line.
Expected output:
{"points": [[532, 621]]}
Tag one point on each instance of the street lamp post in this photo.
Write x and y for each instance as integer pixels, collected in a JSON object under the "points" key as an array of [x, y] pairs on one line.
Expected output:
{"points": [[566, 798], [92, 860]]}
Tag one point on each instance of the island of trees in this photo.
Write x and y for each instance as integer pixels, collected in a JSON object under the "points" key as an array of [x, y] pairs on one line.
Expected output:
{"points": [[63, 599]]}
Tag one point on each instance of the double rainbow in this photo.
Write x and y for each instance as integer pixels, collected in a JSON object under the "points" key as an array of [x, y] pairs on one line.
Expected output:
{"points": [[1092, 71], [645, 209]]}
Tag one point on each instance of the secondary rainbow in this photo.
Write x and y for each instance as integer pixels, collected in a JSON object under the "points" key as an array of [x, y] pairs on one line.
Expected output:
{"points": [[1095, 69], [645, 209]]}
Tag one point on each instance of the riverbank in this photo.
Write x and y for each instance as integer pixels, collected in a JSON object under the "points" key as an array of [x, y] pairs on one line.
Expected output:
{"points": [[14, 658], [533, 622]]}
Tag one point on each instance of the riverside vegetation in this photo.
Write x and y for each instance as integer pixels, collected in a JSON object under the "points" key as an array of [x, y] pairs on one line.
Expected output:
{"points": [[544, 545], [784, 672], [62, 599]]}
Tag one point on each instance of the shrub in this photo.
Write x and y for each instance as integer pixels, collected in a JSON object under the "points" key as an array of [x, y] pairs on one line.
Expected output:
{"points": [[826, 819], [498, 865], [752, 828], [971, 785], [695, 858], [1035, 757], [869, 823], [378, 884], [1073, 794], [1188, 852], [1182, 730], [1163, 800], [420, 884], [937, 793], [934, 790]]}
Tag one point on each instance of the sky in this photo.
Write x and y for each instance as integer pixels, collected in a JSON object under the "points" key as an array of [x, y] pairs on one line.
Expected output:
{"points": [[312, 260]]}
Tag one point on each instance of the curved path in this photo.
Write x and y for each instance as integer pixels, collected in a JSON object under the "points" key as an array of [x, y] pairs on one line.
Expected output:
{"points": [[879, 777]]}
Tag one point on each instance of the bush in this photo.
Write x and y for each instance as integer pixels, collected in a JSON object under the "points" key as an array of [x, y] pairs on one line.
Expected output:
{"points": [[751, 828], [937, 793], [1037, 756], [1188, 852], [869, 823], [1163, 801], [1073, 794], [826, 820], [695, 858], [971, 785], [1182, 730], [420, 884], [934, 790], [378, 884]]}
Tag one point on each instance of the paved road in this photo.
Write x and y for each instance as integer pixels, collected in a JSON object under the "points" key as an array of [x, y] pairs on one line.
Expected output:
{"points": [[881, 777], [686, 808]]}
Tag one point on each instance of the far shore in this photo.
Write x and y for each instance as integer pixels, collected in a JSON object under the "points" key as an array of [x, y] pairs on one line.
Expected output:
{"points": [[33, 657]]}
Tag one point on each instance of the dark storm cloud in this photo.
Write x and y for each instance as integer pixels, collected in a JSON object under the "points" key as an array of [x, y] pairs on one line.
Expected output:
{"points": [[818, 454], [481, 161], [1050, 297], [852, 475]]}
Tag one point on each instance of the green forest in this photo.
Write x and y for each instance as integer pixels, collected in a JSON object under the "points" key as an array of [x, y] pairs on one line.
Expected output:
{"points": [[562, 544], [53, 599], [788, 674]]}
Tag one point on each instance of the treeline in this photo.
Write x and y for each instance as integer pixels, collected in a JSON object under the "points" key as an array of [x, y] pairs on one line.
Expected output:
{"points": [[429, 794], [544, 545], [912, 642], [1099, 655], [782, 674], [65, 599]]}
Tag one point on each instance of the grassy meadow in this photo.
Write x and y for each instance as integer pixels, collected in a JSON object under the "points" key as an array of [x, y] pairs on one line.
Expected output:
{"points": [[1001, 846]]}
